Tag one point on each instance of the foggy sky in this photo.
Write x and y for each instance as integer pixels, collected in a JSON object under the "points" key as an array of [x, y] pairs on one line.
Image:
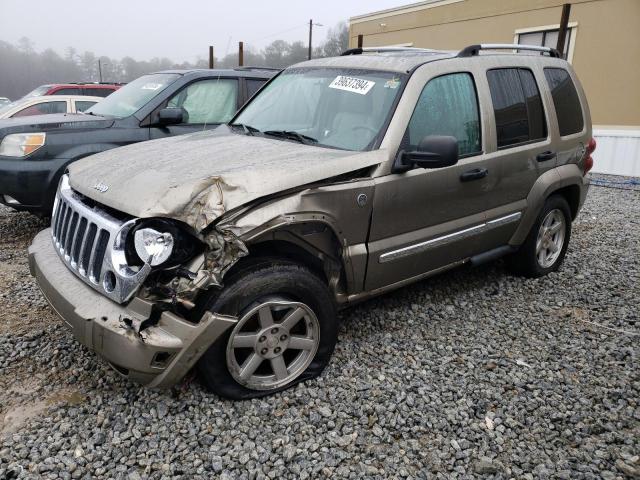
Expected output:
{"points": [[179, 30]]}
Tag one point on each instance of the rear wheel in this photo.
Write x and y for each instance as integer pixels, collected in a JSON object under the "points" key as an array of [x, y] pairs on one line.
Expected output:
{"points": [[286, 331], [546, 245]]}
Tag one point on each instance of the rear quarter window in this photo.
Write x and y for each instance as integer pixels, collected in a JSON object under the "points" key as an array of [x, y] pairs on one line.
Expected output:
{"points": [[565, 100]]}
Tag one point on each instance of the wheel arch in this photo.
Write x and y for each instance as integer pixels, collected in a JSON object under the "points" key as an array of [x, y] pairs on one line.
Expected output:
{"points": [[312, 243], [566, 181]]}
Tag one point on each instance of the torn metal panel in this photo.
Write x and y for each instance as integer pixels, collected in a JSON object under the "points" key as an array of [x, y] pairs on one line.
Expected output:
{"points": [[196, 178]]}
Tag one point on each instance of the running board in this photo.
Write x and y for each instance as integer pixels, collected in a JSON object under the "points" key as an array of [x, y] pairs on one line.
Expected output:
{"points": [[492, 255]]}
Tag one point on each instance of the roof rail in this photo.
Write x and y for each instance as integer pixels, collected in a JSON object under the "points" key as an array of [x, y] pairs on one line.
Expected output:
{"points": [[473, 50], [361, 50], [271, 69]]}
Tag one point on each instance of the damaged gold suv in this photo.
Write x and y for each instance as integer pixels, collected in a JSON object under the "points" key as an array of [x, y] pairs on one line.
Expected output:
{"points": [[231, 250]]}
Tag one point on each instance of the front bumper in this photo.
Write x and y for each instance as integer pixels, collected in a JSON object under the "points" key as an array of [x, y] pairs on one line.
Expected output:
{"points": [[30, 185], [157, 356]]}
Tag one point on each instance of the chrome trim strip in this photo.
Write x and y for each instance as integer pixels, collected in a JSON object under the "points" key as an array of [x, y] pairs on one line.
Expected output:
{"points": [[504, 220], [448, 238]]}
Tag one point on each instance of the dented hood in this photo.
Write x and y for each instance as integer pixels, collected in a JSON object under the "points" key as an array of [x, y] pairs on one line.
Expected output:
{"points": [[196, 178]]}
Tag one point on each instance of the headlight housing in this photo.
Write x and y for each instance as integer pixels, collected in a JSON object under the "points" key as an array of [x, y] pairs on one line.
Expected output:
{"points": [[162, 243], [22, 144]]}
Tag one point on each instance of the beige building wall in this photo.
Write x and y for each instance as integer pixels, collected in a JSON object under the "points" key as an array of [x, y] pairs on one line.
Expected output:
{"points": [[605, 44]]}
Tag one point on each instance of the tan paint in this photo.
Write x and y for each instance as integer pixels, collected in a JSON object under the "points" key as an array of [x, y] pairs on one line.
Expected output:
{"points": [[606, 46]]}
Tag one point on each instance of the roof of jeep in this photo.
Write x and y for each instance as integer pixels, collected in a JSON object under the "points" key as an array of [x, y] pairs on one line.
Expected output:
{"points": [[400, 61]]}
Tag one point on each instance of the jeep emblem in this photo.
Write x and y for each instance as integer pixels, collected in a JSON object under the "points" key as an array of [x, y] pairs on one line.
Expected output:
{"points": [[101, 187]]}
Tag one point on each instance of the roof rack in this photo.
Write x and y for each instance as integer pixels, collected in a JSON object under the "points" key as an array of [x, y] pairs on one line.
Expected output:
{"points": [[473, 50], [361, 50]]}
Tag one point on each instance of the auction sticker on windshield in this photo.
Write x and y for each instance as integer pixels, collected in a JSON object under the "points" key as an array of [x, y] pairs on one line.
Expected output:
{"points": [[352, 84]]}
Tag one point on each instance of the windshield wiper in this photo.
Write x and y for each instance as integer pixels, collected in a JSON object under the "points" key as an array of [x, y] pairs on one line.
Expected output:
{"points": [[248, 129], [291, 135]]}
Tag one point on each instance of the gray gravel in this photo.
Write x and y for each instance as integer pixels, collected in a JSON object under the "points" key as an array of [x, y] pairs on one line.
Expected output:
{"points": [[473, 374]]}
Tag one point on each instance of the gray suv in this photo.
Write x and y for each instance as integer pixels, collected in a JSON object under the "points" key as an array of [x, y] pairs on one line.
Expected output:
{"points": [[343, 178]]}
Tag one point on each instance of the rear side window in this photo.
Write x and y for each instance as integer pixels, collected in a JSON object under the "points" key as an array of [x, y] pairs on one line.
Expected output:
{"points": [[97, 92], [566, 101], [253, 86], [448, 105], [82, 105], [517, 106]]}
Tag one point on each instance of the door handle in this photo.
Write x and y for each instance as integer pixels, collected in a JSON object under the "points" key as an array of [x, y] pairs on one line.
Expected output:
{"points": [[475, 174], [544, 156]]}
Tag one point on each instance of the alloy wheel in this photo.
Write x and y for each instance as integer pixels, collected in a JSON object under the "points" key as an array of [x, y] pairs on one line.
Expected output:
{"points": [[272, 344], [550, 238]]}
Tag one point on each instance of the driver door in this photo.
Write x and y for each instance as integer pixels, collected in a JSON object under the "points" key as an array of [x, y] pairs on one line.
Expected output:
{"points": [[205, 104], [427, 219]]}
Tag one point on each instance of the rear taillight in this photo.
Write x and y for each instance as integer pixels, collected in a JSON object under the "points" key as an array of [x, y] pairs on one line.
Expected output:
{"points": [[588, 159]]}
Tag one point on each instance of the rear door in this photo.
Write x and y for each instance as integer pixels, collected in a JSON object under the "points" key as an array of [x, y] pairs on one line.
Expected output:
{"points": [[206, 104], [520, 142]]}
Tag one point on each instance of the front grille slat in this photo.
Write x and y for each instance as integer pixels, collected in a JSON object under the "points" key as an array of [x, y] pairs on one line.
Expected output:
{"points": [[100, 250], [58, 227], [68, 243], [65, 229], [77, 242], [87, 249]]}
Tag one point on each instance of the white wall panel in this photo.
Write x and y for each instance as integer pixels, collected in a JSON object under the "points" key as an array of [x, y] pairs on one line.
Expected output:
{"points": [[618, 152]]}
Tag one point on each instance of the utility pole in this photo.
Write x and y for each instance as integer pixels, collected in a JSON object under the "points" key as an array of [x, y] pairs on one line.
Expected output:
{"points": [[210, 56], [240, 54], [311, 24], [564, 24], [100, 70]]}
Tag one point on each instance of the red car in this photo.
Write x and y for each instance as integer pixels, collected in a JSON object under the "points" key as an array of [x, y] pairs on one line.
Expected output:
{"points": [[89, 89]]}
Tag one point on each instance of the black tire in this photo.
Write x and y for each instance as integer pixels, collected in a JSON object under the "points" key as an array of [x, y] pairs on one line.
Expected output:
{"points": [[264, 279], [525, 261]]}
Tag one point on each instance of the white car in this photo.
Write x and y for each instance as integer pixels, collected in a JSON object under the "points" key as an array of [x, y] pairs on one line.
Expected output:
{"points": [[48, 104]]}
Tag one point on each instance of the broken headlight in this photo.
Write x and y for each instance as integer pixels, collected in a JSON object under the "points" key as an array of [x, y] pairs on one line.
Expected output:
{"points": [[161, 243], [153, 247]]}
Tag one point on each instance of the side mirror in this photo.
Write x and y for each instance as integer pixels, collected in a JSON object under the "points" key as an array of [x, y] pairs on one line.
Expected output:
{"points": [[434, 151], [171, 116]]}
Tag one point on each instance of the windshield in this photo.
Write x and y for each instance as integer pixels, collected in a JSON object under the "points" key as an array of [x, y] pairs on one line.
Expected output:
{"points": [[133, 96], [37, 92], [332, 107]]}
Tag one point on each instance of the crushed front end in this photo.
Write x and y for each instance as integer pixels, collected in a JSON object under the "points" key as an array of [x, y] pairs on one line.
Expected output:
{"points": [[123, 307]]}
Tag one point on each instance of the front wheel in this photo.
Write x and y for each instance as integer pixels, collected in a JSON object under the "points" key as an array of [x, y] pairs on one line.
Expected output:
{"points": [[546, 245], [286, 331]]}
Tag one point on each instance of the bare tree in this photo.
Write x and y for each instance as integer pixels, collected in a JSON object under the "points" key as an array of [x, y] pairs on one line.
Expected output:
{"points": [[22, 68]]}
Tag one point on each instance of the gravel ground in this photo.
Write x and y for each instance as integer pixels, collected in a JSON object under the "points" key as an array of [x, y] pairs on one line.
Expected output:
{"points": [[472, 374]]}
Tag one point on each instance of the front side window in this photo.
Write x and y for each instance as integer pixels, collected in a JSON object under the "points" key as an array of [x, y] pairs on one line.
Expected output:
{"points": [[208, 101], [43, 109], [566, 101], [133, 96], [448, 105], [517, 106], [333, 107]]}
